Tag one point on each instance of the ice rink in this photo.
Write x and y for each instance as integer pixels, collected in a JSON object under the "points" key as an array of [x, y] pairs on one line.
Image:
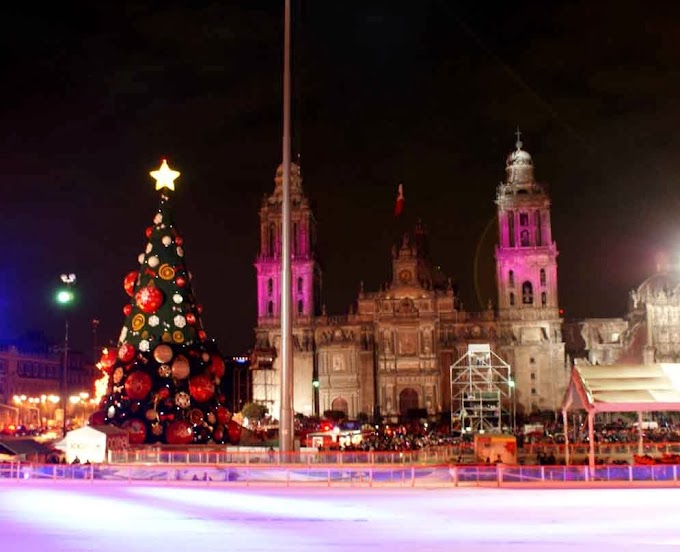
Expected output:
{"points": [[54, 516]]}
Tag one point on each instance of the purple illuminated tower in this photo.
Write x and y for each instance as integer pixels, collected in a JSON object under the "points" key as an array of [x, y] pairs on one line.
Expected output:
{"points": [[306, 284], [526, 276]]}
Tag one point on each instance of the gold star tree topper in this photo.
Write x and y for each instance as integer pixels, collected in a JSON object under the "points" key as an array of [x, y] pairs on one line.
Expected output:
{"points": [[165, 177]]}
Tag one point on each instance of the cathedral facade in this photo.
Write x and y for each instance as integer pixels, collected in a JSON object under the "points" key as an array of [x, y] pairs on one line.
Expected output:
{"points": [[394, 352]]}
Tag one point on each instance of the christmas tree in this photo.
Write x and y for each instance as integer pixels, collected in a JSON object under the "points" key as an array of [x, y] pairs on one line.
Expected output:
{"points": [[163, 380]]}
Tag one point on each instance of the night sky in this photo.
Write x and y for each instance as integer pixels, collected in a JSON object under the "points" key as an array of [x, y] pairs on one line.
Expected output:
{"points": [[427, 92]]}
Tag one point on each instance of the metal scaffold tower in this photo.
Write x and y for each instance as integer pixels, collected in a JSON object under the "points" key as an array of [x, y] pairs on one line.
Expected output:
{"points": [[482, 390]]}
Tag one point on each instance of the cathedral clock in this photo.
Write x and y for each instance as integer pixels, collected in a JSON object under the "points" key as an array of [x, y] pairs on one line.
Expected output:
{"points": [[405, 276]]}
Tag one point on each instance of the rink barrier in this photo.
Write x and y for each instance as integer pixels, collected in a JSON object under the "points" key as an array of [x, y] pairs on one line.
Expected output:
{"points": [[530, 453], [368, 475]]}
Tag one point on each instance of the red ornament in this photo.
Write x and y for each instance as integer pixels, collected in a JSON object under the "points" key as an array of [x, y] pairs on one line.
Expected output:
{"points": [[191, 318], [199, 309], [180, 281], [163, 393], [129, 282], [179, 241], [149, 231], [196, 416], [218, 434], [127, 309], [138, 385], [108, 359], [217, 366], [202, 335], [126, 352], [149, 298], [97, 418], [223, 415], [234, 432], [201, 388], [136, 430], [179, 432]]}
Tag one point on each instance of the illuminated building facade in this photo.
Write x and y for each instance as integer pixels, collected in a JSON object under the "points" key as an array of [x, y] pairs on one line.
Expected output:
{"points": [[391, 353], [30, 383], [648, 334]]}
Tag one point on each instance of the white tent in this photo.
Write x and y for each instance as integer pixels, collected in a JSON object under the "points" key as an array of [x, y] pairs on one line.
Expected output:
{"points": [[92, 443], [620, 388]]}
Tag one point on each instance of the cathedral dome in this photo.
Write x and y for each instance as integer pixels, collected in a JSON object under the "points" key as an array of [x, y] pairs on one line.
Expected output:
{"points": [[519, 168], [519, 157], [663, 281]]}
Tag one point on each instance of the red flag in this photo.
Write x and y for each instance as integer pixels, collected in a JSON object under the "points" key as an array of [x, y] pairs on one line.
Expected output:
{"points": [[399, 205]]}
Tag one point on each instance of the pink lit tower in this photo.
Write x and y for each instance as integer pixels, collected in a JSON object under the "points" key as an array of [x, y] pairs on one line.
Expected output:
{"points": [[306, 293], [526, 276]]}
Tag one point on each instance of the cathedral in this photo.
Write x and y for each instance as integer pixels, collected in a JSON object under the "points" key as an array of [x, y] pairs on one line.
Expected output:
{"points": [[410, 349]]}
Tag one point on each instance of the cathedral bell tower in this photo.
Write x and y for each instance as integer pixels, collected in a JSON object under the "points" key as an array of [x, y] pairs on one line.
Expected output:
{"points": [[305, 295], [526, 277], [306, 274], [526, 256]]}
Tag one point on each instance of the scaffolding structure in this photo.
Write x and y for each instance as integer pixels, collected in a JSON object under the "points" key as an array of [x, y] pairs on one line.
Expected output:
{"points": [[264, 378], [482, 390]]}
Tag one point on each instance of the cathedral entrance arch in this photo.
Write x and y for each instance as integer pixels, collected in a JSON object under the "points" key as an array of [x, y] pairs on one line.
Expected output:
{"points": [[408, 400], [340, 404]]}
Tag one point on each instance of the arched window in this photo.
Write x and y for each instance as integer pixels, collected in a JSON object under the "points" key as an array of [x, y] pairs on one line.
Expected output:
{"points": [[270, 286], [544, 299], [340, 405], [511, 228], [537, 225], [270, 308], [527, 293], [299, 285], [300, 306], [295, 238], [512, 299], [511, 278], [543, 276], [272, 240], [524, 238]]}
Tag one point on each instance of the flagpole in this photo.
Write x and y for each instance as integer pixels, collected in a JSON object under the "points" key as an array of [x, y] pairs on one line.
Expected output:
{"points": [[286, 433]]}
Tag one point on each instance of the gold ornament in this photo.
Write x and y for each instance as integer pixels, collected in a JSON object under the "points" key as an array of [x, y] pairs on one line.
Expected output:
{"points": [[117, 375], [166, 272], [138, 322], [177, 337], [166, 337]]}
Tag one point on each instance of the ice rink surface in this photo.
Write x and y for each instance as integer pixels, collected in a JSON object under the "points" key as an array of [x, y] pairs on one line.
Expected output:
{"points": [[55, 516]]}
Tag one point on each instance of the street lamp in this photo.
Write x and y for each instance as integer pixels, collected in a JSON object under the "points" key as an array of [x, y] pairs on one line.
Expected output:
{"points": [[65, 297]]}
